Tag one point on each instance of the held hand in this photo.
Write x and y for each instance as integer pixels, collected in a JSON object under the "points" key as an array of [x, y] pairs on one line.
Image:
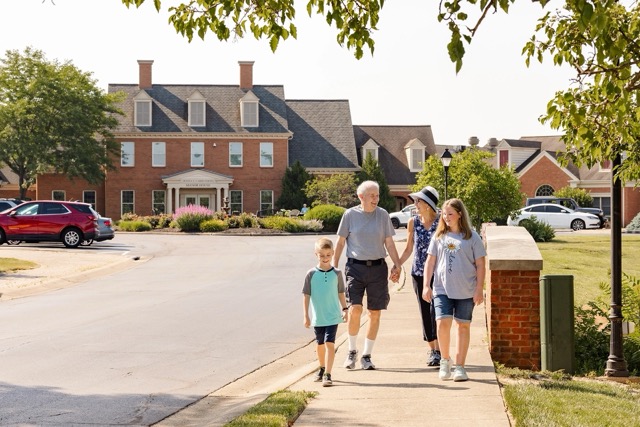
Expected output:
{"points": [[395, 274]]}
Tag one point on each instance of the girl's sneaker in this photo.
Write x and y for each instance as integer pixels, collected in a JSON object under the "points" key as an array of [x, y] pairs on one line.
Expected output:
{"points": [[459, 374], [319, 375], [445, 369], [326, 381]]}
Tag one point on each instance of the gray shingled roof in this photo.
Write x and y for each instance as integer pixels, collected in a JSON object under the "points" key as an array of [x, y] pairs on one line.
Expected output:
{"points": [[170, 107], [391, 154], [322, 134]]}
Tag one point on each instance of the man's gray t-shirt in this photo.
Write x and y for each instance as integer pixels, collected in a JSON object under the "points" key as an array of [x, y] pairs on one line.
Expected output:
{"points": [[455, 271], [365, 232]]}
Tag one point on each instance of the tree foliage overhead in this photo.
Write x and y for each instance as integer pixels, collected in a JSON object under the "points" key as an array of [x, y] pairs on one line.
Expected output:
{"points": [[53, 118], [598, 115], [488, 193], [355, 20]]}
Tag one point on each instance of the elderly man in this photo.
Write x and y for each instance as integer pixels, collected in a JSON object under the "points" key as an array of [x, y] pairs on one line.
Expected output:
{"points": [[367, 233]]}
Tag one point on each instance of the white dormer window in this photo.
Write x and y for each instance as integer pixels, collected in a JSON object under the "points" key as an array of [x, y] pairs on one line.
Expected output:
{"points": [[370, 148], [197, 109], [249, 110], [142, 111], [415, 152]]}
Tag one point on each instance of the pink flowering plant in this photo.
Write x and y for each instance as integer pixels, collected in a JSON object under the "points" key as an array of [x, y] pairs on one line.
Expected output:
{"points": [[190, 217]]}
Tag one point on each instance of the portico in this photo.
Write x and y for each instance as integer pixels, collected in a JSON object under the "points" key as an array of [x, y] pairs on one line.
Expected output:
{"points": [[196, 187]]}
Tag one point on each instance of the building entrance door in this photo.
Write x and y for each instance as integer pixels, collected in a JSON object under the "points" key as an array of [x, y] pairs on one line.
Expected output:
{"points": [[197, 200]]}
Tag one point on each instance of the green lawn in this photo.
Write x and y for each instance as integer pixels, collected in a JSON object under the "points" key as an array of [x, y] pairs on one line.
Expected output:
{"points": [[588, 258]]}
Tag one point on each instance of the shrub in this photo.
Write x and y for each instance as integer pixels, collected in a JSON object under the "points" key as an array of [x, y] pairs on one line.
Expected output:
{"points": [[129, 216], [282, 223], [138, 225], [310, 224], [213, 225], [189, 217], [634, 225], [329, 215], [540, 231]]}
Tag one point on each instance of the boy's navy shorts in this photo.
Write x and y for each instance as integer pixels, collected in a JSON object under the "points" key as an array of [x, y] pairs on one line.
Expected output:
{"points": [[325, 333]]}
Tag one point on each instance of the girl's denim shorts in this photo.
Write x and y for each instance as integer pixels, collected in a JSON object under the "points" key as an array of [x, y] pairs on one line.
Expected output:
{"points": [[460, 309]]}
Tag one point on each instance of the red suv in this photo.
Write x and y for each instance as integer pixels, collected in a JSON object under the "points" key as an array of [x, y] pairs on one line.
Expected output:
{"points": [[49, 220]]}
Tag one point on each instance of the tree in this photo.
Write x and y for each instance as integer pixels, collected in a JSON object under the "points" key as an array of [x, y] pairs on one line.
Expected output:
{"points": [[371, 171], [339, 189], [488, 193], [53, 118], [293, 183], [580, 195], [599, 117]]}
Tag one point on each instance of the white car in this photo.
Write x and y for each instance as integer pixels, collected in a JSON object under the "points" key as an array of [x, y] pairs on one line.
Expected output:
{"points": [[401, 219], [556, 216]]}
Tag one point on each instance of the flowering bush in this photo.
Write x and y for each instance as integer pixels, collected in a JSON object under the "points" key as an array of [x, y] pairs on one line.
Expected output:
{"points": [[213, 225], [189, 217]]}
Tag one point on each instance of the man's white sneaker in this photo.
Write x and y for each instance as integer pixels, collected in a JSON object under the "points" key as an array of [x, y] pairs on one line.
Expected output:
{"points": [[366, 363], [350, 363], [459, 374], [445, 369]]}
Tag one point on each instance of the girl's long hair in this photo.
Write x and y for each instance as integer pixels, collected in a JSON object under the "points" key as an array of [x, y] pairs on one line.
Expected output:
{"points": [[465, 223]]}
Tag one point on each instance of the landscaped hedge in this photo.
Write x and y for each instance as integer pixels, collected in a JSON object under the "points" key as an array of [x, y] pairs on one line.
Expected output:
{"points": [[330, 215]]}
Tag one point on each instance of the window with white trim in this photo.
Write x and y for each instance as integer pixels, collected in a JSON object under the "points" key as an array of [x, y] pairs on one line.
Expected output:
{"points": [[249, 107], [197, 109], [127, 154], [127, 202], [197, 154], [158, 154], [142, 110], [266, 154], [159, 205], [58, 195], [545, 190], [417, 159], [235, 154], [266, 200], [89, 196], [235, 202]]}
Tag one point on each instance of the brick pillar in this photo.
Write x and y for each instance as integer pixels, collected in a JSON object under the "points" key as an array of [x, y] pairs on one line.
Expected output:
{"points": [[513, 297]]}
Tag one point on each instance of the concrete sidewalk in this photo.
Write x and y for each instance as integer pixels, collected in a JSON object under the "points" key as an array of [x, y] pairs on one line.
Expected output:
{"points": [[403, 390]]}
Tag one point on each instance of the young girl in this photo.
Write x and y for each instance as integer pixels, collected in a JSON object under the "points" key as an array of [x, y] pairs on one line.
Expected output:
{"points": [[457, 255]]}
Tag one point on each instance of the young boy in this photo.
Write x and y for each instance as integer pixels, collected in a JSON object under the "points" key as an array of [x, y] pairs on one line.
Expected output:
{"points": [[324, 289]]}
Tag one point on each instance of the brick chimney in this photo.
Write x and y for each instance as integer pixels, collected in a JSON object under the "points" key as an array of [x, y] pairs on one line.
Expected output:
{"points": [[246, 74], [145, 73]]}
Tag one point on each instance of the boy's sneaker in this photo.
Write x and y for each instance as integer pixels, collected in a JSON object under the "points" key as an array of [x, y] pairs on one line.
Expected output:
{"points": [[434, 358], [445, 369], [326, 381], [366, 362], [319, 375], [350, 363], [459, 374]]}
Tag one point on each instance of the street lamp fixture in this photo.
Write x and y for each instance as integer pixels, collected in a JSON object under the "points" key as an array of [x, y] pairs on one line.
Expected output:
{"points": [[446, 161]]}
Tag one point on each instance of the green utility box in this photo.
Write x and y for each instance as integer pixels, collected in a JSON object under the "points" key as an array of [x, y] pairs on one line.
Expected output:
{"points": [[556, 323]]}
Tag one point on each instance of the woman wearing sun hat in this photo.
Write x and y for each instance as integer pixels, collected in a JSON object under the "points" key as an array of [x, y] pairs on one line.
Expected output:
{"points": [[421, 226]]}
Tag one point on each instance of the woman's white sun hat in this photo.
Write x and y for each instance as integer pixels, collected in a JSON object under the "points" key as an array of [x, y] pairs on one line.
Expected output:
{"points": [[429, 195]]}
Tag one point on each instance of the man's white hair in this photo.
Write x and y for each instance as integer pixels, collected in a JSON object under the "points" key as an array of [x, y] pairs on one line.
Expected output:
{"points": [[367, 185]]}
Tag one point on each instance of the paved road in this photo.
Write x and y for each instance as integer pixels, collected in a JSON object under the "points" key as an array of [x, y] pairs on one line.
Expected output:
{"points": [[134, 346]]}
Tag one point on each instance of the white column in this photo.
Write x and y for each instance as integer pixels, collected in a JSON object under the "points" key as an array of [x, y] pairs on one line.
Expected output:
{"points": [[169, 199], [177, 197]]}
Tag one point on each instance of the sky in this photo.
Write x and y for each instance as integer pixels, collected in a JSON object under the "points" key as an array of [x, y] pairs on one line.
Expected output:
{"points": [[409, 80]]}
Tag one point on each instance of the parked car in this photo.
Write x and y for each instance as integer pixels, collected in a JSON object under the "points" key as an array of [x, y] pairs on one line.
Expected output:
{"points": [[570, 203], [49, 220], [401, 219], [8, 204], [556, 216], [104, 231]]}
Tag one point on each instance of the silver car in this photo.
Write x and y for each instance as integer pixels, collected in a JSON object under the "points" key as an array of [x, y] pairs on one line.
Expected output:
{"points": [[104, 231], [401, 219]]}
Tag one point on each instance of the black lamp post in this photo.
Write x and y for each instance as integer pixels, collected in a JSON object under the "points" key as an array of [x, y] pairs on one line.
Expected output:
{"points": [[616, 365], [446, 161]]}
